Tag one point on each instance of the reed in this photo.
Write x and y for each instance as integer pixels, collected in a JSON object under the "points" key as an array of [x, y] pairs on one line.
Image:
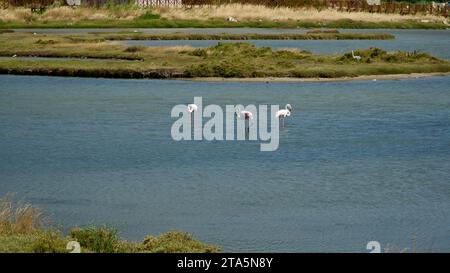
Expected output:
{"points": [[18, 218], [248, 15]]}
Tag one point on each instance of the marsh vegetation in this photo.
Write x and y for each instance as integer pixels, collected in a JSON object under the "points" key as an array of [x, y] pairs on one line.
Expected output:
{"points": [[226, 59], [107, 16], [24, 228]]}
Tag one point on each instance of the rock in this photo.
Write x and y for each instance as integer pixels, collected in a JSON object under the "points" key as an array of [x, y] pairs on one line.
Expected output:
{"points": [[232, 19]]}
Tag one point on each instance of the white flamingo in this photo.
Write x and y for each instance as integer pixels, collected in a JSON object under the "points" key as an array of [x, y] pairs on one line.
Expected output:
{"points": [[283, 113], [192, 107], [243, 114], [247, 115], [356, 57]]}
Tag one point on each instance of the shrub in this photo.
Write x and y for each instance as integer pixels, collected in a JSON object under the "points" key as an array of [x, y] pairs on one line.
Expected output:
{"points": [[16, 218], [177, 242], [199, 52], [320, 31], [49, 242], [97, 239], [136, 48], [199, 70], [150, 16]]}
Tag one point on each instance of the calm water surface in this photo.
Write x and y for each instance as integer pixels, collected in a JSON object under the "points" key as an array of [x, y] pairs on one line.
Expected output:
{"points": [[358, 161]]}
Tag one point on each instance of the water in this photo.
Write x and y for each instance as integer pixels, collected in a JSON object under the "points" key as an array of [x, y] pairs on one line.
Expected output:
{"points": [[358, 161]]}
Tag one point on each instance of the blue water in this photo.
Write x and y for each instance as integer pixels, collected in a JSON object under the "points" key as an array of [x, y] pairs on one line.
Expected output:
{"points": [[358, 161]]}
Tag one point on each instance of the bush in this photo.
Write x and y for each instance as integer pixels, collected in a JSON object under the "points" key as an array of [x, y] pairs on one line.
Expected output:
{"points": [[49, 242], [16, 218], [199, 52], [320, 31], [134, 49], [177, 242], [150, 16], [97, 239]]}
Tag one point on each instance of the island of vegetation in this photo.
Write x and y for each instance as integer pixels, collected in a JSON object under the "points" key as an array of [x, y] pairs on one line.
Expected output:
{"points": [[94, 55], [315, 34], [23, 228]]}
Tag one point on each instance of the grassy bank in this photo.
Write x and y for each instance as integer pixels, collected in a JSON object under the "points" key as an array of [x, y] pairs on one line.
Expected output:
{"points": [[211, 17], [310, 35], [215, 23], [93, 56], [24, 229]]}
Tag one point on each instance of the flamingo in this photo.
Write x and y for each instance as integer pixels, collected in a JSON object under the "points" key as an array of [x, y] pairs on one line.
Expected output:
{"points": [[247, 115], [192, 107], [356, 56], [283, 113]]}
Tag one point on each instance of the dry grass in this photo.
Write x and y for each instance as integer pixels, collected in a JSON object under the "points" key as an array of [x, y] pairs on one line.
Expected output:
{"points": [[15, 15], [175, 49], [241, 12], [259, 12], [16, 218], [69, 14]]}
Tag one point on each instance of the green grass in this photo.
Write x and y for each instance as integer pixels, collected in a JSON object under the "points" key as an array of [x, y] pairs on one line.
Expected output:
{"points": [[17, 243], [94, 56], [227, 36], [22, 230], [101, 240]]}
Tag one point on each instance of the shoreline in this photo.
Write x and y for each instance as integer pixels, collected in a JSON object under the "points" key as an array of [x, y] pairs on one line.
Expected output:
{"points": [[156, 76], [219, 24], [338, 79]]}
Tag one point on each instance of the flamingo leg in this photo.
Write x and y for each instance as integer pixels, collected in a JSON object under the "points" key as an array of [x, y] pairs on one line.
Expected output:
{"points": [[247, 127]]}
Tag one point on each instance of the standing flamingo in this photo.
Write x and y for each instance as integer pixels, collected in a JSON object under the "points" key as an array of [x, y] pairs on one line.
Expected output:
{"points": [[283, 113], [192, 107], [243, 114], [247, 115]]}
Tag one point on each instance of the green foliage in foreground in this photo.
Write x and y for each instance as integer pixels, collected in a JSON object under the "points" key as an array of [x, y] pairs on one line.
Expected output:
{"points": [[101, 240], [22, 230]]}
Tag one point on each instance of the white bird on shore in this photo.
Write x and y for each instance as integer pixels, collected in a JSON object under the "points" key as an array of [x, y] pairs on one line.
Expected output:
{"points": [[356, 56], [192, 107], [14, 56], [283, 113]]}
